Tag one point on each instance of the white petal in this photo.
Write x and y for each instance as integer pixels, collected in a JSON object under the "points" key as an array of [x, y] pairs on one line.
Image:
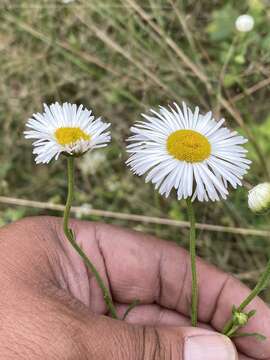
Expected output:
{"points": [[43, 126], [204, 180]]}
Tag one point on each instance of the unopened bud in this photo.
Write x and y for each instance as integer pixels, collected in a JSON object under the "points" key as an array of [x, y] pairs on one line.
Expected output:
{"points": [[259, 197], [244, 23], [240, 318]]}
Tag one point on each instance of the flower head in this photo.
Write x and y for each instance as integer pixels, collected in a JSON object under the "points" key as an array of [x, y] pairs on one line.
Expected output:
{"points": [[188, 151], [244, 23], [259, 197], [66, 129]]}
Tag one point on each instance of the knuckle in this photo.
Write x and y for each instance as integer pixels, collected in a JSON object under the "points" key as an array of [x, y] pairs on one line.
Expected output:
{"points": [[151, 344], [159, 343]]}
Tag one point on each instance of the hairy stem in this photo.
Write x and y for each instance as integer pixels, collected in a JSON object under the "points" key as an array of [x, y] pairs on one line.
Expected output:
{"points": [[192, 250], [70, 236], [262, 283]]}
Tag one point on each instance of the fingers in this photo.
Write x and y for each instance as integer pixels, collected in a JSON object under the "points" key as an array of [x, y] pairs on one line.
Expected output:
{"points": [[244, 357], [53, 325], [134, 265], [151, 270], [204, 344], [154, 315], [233, 293]]}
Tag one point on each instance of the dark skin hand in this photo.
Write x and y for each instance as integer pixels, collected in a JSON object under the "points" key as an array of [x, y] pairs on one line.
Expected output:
{"points": [[51, 307]]}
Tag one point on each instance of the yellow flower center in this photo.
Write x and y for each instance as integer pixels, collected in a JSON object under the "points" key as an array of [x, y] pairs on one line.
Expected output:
{"points": [[189, 146], [70, 135]]}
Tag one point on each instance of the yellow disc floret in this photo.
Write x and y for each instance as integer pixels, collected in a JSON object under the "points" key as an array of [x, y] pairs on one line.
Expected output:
{"points": [[70, 135], [189, 146]]}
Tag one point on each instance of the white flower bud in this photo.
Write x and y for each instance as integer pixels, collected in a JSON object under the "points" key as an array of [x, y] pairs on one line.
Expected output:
{"points": [[244, 23], [259, 197]]}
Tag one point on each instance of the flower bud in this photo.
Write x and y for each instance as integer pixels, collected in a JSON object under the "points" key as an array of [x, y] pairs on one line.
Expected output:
{"points": [[259, 197], [240, 318], [244, 23]]}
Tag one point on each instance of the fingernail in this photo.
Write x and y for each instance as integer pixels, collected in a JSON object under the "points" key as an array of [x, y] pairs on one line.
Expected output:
{"points": [[209, 347]]}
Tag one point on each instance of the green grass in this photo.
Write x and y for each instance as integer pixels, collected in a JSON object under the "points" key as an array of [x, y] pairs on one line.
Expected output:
{"points": [[121, 58]]}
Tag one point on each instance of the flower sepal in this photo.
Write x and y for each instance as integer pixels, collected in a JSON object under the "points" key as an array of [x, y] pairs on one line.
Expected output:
{"points": [[239, 319], [66, 154]]}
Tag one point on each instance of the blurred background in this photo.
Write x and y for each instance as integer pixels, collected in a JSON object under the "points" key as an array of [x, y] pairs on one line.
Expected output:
{"points": [[121, 57]]}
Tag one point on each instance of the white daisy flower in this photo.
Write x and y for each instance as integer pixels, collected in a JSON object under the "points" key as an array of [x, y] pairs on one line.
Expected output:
{"points": [[66, 128], [187, 151]]}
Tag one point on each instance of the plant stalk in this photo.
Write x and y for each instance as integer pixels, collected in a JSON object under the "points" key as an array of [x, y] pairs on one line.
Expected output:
{"points": [[262, 283], [70, 236], [192, 251]]}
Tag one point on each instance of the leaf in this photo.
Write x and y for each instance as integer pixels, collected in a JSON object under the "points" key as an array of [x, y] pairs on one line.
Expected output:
{"points": [[256, 6], [258, 336], [72, 234], [222, 25], [265, 42], [230, 79], [251, 313], [130, 307]]}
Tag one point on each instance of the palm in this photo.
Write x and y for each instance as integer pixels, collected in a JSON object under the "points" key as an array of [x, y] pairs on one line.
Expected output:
{"points": [[136, 266]]}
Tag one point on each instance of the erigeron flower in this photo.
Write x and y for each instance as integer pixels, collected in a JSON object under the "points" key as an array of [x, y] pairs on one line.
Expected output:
{"points": [[244, 23], [66, 128], [188, 151], [259, 197]]}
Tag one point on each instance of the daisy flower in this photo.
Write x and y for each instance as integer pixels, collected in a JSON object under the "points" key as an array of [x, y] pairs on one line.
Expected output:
{"points": [[188, 151], [66, 128]]}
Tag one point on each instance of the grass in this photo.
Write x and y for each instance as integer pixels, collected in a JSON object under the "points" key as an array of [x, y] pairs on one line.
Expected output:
{"points": [[121, 58]]}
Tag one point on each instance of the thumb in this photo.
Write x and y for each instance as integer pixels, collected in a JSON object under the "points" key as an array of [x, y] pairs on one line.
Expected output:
{"points": [[118, 340], [187, 343]]}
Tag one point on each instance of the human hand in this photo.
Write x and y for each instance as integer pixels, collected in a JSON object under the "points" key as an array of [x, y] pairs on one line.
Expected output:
{"points": [[52, 308]]}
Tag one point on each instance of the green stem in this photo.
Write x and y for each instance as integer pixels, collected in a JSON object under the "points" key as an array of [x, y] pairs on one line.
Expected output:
{"points": [[192, 250], [70, 196], [263, 281], [70, 236], [224, 67], [227, 328]]}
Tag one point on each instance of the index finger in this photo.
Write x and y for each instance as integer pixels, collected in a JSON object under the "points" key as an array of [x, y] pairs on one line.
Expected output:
{"points": [[156, 271]]}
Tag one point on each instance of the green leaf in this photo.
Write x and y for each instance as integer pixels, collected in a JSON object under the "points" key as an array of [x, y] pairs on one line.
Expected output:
{"points": [[265, 42], [222, 25], [230, 80], [251, 313], [258, 336], [130, 307], [256, 6]]}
